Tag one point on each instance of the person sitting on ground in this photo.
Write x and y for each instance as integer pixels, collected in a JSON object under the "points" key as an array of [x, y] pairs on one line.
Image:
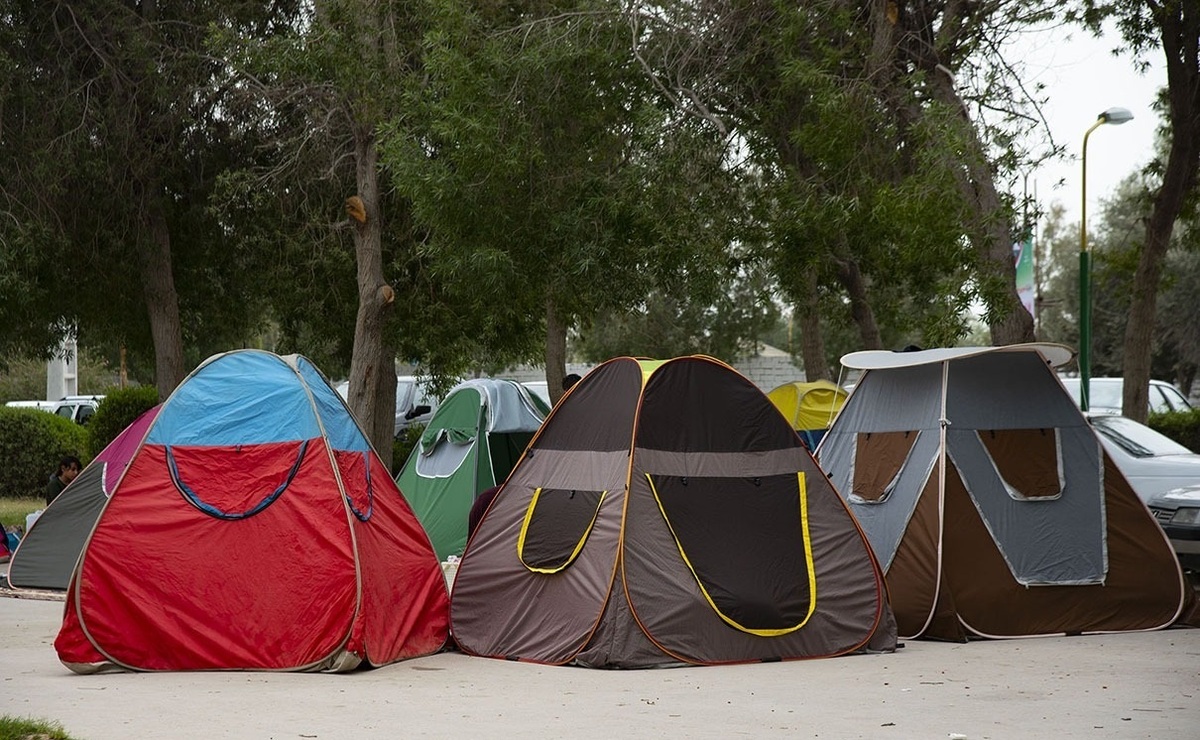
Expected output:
{"points": [[68, 469], [482, 502]]}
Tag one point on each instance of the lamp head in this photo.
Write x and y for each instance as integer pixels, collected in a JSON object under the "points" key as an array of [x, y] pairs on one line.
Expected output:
{"points": [[1116, 116]]}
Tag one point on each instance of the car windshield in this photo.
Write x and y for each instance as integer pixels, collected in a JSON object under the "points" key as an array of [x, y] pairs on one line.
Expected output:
{"points": [[1136, 439]]}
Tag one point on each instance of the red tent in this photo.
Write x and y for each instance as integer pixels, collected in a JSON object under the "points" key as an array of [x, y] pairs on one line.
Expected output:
{"points": [[255, 528]]}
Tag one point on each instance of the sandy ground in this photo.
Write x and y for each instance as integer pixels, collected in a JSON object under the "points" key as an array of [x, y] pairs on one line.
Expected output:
{"points": [[1144, 685]]}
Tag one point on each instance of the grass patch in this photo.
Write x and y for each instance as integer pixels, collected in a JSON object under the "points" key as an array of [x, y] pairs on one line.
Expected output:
{"points": [[17, 728], [13, 511]]}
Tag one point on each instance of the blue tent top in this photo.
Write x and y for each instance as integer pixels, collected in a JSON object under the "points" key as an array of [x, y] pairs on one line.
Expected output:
{"points": [[255, 397]]}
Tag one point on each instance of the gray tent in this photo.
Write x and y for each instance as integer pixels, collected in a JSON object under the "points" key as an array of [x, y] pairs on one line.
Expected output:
{"points": [[666, 512], [990, 502]]}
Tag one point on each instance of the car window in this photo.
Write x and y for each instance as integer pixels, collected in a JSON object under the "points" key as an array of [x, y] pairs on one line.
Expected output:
{"points": [[1105, 395], [65, 411], [1173, 400], [1137, 439]]}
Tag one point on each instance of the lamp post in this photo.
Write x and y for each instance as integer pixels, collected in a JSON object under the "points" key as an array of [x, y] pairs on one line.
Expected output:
{"points": [[1113, 116]]}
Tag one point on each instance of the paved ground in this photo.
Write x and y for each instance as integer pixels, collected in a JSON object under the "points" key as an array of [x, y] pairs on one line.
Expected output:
{"points": [[1107, 686]]}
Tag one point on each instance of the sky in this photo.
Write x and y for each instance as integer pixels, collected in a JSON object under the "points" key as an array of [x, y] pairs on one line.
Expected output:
{"points": [[1083, 79]]}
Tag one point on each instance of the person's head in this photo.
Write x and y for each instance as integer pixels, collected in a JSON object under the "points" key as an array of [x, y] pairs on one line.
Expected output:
{"points": [[69, 467], [569, 381]]}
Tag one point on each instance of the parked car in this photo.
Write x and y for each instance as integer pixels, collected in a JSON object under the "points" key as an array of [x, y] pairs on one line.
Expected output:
{"points": [[1104, 395], [1152, 462], [414, 403], [79, 409], [1178, 511]]}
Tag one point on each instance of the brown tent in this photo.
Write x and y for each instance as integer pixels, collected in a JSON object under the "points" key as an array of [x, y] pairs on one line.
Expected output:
{"points": [[666, 512], [990, 502]]}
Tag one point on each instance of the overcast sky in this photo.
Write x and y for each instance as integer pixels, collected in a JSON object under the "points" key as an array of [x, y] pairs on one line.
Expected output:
{"points": [[1083, 79]]}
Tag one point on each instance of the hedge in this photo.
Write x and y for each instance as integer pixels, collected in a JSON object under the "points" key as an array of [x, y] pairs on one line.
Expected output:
{"points": [[1181, 426], [31, 444], [119, 409]]}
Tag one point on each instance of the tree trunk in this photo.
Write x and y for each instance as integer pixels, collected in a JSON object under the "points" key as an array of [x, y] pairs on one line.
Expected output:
{"points": [[860, 309], [1179, 31], [372, 394], [812, 342], [162, 301], [556, 352]]}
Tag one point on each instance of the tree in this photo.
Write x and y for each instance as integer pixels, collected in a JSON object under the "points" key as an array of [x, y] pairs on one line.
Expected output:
{"points": [[1116, 244], [111, 140], [878, 175], [553, 183], [1172, 26]]}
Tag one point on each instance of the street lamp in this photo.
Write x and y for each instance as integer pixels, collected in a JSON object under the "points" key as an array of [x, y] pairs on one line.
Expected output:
{"points": [[1114, 116]]}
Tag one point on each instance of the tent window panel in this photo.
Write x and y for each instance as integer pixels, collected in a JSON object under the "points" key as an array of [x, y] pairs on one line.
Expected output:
{"points": [[746, 542], [1028, 460], [557, 524], [355, 470], [442, 455], [234, 482], [878, 459]]}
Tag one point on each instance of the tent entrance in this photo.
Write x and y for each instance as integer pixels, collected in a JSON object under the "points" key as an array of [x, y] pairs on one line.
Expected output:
{"points": [[557, 524], [758, 576]]}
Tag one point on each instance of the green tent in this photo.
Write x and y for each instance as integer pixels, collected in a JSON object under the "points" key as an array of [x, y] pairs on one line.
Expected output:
{"points": [[471, 443]]}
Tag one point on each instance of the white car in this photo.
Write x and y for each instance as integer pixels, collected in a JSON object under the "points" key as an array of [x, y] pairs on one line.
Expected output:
{"points": [[1152, 462], [414, 404], [1105, 395], [79, 409]]}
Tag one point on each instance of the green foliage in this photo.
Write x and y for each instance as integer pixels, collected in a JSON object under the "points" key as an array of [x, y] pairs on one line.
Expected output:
{"points": [[1181, 426], [544, 170], [119, 409], [1115, 240], [21, 728], [31, 444], [114, 134]]}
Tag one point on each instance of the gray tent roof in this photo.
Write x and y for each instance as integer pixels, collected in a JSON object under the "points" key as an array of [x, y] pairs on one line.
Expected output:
{"points": [[1055, 354]]}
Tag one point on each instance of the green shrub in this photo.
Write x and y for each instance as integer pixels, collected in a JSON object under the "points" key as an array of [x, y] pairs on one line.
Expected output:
{"points": [[119, 409], [31, 444], [1181, 426]]}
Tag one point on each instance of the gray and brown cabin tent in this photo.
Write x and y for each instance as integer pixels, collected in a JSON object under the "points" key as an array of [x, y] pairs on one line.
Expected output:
{"points": [[990, 502], [667, 513]]}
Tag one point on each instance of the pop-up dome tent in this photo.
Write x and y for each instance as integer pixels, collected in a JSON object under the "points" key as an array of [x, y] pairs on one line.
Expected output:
{"points": [[810, 407], [255, 528], [49, 550], [666, 513], [472, 442], [990, 501]]}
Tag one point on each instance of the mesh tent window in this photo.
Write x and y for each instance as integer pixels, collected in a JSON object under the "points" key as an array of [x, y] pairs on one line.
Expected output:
{"points": [[879, 457], [720, 524], [1029, 461], [556, 527]]}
